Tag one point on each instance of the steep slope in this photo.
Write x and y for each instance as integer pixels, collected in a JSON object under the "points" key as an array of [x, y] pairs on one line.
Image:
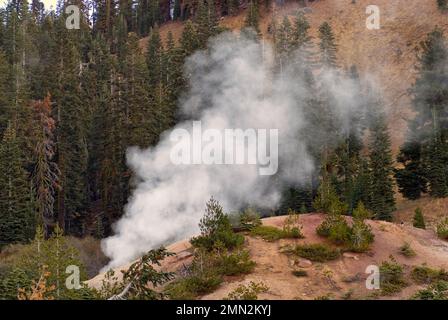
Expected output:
{"points": [[387, 55], [334, 278]]}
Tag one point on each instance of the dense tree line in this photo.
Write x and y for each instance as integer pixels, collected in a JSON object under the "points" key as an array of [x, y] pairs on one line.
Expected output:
{"points": [[350, 170], [423, 158], [73, 101]]}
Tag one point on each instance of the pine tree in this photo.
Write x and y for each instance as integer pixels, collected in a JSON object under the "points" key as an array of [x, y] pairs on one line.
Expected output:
{"points": [[135, 95], [251, 22], [45, 170], [301, 42], [410, 177], [361, 233], [327, 200], [126, 9], [157, 83], [176, 10], [104, 16], [425, 153], [207, 21], [419, 221], [6, 102], [17, 220], [327, 47], [189, 40], [346, 158], [382, 202], [71, 133], [283, 41], [175, 82]]}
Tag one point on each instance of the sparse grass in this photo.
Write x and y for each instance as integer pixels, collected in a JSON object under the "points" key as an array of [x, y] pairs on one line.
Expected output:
{"points": [[324, 297], [426, 275], [407, 251], [300, 273], [348, 295], [272, 234], [316, 252], [436, 291], [247, 292]]}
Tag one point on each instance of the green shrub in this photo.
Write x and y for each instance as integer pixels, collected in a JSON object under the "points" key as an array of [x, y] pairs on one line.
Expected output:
{"points": [[436, 291], [215, 227], [442, 229], [249, 219], [426, 275], [247, 292], [391, 277], [335, 228], [300, 273], [268, 233], [202, 275], [406, 250], [189, 288], [316, 252], [442, 4], [271, 234], [206, 272], [419, 221], [357, 237], [235, 263]]}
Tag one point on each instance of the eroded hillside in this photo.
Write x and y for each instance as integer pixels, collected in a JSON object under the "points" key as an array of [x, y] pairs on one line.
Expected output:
{"points": [[387, 55]]}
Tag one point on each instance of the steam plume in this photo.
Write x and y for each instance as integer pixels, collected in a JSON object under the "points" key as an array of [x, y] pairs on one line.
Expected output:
{"points": [[231, 86]]}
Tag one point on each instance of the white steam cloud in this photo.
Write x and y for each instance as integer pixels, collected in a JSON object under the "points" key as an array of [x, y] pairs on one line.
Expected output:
{"points": [[231, 86]]}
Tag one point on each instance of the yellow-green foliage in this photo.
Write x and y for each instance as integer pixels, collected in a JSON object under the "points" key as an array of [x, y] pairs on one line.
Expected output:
{"points": [[56, 254], [271, 234], [436, 291], [406, 250], [356, 237], [442, 229], [247, 292], [327, 200], [292, 226]]}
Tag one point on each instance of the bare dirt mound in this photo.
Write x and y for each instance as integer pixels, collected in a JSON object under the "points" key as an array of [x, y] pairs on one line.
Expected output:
{"points": [[335, 279]]}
